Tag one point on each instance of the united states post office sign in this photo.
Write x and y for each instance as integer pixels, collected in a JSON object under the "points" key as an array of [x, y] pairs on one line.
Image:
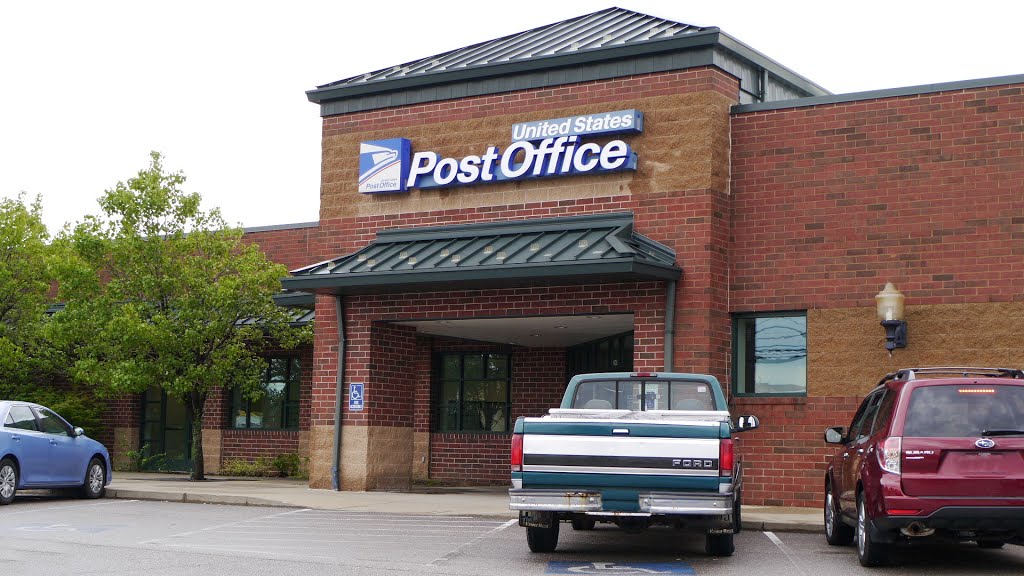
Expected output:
{"points": [[539, 149]]}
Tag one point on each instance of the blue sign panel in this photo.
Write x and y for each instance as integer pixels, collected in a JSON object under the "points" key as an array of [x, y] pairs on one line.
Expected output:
{"points": [[383, 165], [618, 122], [620, 568], [355, 397]]}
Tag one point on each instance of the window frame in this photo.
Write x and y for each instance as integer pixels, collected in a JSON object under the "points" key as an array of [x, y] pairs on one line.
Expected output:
{"points": [[737, 357], [437, 392], [293, 378]]}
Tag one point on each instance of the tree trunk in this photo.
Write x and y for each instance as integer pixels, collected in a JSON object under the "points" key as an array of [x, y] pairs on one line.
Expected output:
{"points": [[197, 402]]}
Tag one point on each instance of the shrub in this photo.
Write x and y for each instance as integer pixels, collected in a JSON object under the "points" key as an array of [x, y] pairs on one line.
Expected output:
{"points": [[240, 467]]}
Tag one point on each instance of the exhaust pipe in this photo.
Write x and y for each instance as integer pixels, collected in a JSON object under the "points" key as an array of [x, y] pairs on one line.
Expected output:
{"points": [[917, 530]]}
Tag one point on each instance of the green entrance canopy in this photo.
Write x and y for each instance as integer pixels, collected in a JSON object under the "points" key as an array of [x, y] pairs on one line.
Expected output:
{"points": [[567, 250]]}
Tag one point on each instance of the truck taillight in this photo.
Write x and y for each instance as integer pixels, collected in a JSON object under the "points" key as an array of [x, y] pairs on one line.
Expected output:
{"points": [[725, 457], [517, 452], [890, 453]]}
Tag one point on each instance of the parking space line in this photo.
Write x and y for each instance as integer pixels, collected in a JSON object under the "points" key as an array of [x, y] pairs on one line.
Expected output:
{"points": [[785, 550], [459, 550], [93, 505], [209, 528]]}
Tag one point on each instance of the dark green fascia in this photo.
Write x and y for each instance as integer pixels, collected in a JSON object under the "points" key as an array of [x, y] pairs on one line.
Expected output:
{"points": [[708, 37], [625, 269], [295, 300], [497, 228]]}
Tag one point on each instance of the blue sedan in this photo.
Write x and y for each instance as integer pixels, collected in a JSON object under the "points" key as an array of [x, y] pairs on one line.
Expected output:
{"points": [[39, 449]]}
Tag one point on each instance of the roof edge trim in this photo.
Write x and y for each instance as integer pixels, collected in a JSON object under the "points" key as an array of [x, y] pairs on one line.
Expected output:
{"points": [[523, 226], [879, 94]]}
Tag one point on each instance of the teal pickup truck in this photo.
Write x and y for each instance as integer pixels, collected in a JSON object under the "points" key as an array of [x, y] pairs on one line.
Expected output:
{"points": [[635, 450]]}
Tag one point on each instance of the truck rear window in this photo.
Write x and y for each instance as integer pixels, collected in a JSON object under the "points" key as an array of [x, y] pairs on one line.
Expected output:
{"points": [[964, 410], [643, 395]]}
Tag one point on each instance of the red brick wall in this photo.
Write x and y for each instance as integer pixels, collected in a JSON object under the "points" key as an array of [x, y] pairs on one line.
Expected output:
{"points": [[292, 247], [831, 202], [784, 460], [252, 444]]}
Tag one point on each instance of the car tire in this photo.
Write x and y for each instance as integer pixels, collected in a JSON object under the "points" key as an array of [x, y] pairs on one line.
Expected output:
{"points": [[870, 552], [95, 480], [737, 514], [8, 481], [543, 539], [991, 544], [719, 545], [837, 532], [583, 523]]}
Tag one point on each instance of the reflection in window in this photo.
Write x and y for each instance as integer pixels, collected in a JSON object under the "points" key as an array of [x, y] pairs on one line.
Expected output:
{"points": [[473, 392], [771, 354], [278, 407]]}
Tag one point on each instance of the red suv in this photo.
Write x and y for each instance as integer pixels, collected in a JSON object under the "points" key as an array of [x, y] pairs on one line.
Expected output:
{"points": [[931, 453]]}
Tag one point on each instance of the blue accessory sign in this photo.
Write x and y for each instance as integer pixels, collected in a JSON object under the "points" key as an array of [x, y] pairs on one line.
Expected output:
{"points": [[355, 397], [619, 568], [384, 165]]}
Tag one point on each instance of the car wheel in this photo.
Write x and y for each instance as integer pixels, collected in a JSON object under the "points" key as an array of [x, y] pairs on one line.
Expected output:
{"points": [[719, 545], [737, 514], [837, 533], [990, 544], [870, 552], [583, 523], [543, 539], [8, 481], [95, 479]]}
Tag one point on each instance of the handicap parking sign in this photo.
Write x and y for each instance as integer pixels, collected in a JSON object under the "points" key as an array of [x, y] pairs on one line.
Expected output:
{"points": [[355, 397]]}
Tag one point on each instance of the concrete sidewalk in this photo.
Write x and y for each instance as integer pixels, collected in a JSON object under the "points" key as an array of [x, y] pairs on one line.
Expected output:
{"points": [[444, 501]]}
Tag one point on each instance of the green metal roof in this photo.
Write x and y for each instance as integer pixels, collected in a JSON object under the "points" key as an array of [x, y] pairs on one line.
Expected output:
{"points": [[568, 250]]}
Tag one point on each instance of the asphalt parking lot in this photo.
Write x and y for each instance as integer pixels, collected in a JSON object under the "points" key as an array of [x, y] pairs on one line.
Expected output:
{"points": [[52, 535]]}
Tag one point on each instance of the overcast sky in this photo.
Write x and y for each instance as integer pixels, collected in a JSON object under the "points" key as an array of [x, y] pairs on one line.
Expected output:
{"points": [[87, 89]]}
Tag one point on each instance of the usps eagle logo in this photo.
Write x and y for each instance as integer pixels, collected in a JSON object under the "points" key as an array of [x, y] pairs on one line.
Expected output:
{"points": [[383, 165]]}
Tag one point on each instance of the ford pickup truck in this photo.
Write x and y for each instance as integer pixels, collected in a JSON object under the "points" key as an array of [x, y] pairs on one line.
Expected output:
{"points": [[634, 450]]}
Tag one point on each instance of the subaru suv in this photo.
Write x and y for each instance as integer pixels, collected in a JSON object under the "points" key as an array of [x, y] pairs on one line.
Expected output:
{"points": [[931, 453]]}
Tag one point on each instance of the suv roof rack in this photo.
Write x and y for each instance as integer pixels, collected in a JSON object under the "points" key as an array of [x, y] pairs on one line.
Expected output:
{"points": [[911, 373]]}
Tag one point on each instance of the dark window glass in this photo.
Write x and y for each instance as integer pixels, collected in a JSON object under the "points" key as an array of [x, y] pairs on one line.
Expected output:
{"points": [[964, 411], [23, 418], [771, 354], [473, 392], [861, 426], [643, 395], [9, 420], [884, 412], [50, 423], [611, 354], [278, 407]]}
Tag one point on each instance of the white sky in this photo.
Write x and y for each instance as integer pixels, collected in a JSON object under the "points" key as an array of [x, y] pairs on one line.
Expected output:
{"points": [[87, 89]]}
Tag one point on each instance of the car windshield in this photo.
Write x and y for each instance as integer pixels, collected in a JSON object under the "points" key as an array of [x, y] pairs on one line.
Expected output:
{"points": [[964, 410]]}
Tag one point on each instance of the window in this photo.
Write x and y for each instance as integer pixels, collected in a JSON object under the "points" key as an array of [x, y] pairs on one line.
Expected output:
{"points": [[952, 411], [9, 421], [644, 395], [770, 354], [865, 417], [50, 423], [23, 418], [278, 407], [473, 392]]}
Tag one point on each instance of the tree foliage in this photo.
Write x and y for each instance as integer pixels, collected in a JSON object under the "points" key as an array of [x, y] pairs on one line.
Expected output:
{"points": [[159, 293]]}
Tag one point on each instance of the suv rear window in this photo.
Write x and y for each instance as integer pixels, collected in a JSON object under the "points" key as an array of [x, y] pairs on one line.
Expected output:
{"points": [[644, 395], [964, 410]]}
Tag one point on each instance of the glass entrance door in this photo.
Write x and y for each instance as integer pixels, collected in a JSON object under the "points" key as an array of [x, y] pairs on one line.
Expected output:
{"points": [[166, 430]]}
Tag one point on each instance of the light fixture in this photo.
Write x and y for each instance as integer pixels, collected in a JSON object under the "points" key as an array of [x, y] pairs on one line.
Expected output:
{"points": [[889, 303]]}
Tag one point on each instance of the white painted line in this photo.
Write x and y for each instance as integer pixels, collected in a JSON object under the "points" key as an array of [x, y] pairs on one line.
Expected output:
{"points": [[785, 550], [183, 534], [254, 536], [458, 550], [73, 506]]}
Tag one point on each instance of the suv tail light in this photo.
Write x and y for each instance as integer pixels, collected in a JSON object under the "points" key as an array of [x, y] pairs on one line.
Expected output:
{"points": [[517, 452], [890, 453], [725, 457]]}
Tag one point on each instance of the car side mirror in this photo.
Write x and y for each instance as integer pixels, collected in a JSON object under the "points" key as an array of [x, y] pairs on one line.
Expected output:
{"points": [[835, 435], [744, 423], [79, 432]]}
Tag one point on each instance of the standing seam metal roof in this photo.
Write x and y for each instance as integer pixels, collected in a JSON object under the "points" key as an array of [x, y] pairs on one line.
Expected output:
{"points": [[603, 29]]}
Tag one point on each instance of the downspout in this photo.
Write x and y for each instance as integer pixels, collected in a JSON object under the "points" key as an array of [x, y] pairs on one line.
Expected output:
{"points": [[339, 392], [670, 323]]}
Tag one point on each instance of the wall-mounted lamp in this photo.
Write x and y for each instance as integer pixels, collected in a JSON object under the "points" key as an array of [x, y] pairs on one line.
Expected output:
{"points": [[890, 312]]}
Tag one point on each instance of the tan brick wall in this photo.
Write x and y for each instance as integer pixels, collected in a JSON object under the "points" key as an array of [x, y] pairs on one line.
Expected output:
{"points": [[212, 443], [421, 454], [684, 146], [389, 457], [321, 456], [846, 354], [125, 440]]}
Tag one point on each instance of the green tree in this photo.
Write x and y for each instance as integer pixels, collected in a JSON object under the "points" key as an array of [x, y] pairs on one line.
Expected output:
{"points": [[157, 293], [24, 284]]}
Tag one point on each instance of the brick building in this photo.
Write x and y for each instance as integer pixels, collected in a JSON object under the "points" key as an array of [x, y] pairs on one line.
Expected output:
{"points": [[740, 224]]}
